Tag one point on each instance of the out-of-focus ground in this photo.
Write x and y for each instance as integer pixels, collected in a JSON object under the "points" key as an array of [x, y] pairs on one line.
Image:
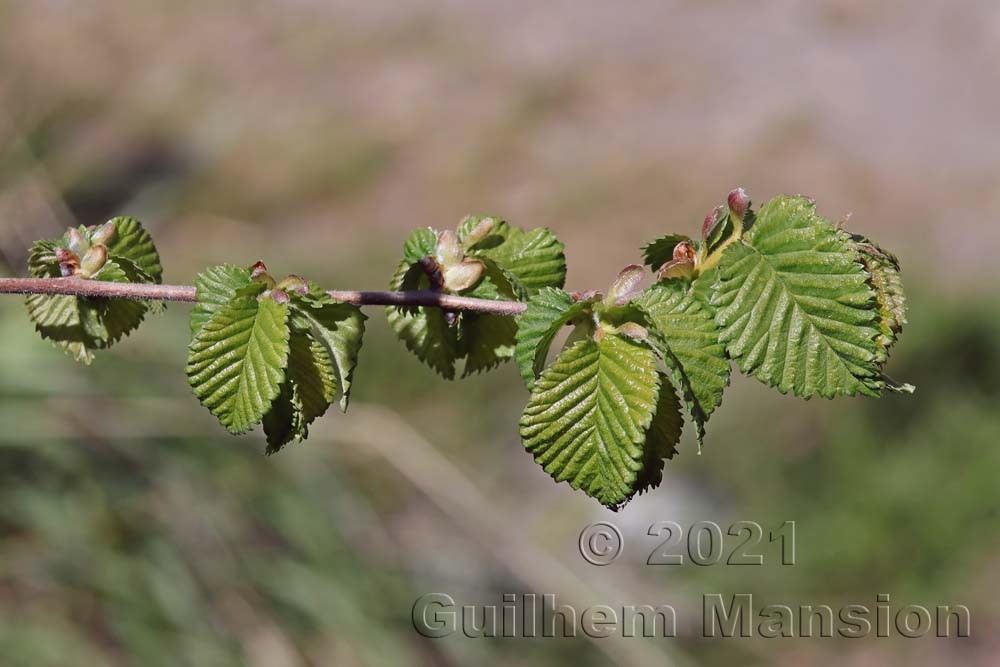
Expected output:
{"points": [[315, 135]]}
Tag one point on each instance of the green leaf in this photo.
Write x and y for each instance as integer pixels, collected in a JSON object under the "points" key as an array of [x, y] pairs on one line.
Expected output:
{"points": [[487, 341], [421, 243], [794, 306], [662, 438], [338, 329], [531, 260], [80, 325], [134, 243], [547, 312], [588, 416], [885, 279], [657, 253], [424, 331], [499, 233], [310, 387], [686, 328], [236, 361], [216, 287]]}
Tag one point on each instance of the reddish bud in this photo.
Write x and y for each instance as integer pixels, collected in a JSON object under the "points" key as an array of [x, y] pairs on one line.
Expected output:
{"points": [[280, 296], [738, 202], [257, 270], [66, 255], [684, 250], [711, 220], [626, 285], [589, 295]]}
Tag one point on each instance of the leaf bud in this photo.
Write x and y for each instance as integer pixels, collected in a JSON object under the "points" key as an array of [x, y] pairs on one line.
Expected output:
{"points": [[93, 260], [449, 251], [76, 241], [738, 202], [711, 221], [104, 234], [634, 330], [280, 296], [480, 232], [259, 274], [678, 268], [626, 285], [684, 250], [294, 283], [463, 276]]}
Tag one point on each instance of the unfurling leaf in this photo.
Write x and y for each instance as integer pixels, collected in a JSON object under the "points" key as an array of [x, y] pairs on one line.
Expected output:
{"points": [[589, 416], [688, 340], [118, 251], [547, 312]]}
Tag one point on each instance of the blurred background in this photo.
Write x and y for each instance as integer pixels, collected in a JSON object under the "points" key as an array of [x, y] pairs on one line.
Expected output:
{"points": [[315, 135]]}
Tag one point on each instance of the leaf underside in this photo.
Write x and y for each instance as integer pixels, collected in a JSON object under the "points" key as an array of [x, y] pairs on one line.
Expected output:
{"points": [[547, 312], [662, 438]]}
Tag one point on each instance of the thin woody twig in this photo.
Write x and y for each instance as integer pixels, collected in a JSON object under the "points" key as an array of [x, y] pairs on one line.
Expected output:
{"points": [[186, 293]]}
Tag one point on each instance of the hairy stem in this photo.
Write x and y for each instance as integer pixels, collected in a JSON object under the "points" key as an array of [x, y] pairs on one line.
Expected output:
{"points": [[186, 293]]}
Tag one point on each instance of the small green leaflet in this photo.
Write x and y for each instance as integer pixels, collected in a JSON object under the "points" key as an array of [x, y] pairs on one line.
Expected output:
{"points": [[794, 306], [686, 332], [215, 288], [588, 417], [547, 312], [237, 360]]}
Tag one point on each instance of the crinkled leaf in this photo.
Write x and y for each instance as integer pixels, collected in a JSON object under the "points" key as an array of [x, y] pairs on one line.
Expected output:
{"points": [[237, 360], [80, 325], [532, 260], [794, 306], [134, 243], [547, 312], [588, 416], [657, 253], [885, 279], [215, 287], [487, 341], [424, 331], [421, 243], [309, 388], [662, 438], [338, 329], [686, 328]]}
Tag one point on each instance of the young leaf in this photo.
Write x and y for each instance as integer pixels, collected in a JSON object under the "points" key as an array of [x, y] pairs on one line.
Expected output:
{"points": [[531, 260], [131, 241], [691, 349], [547, 312], [80, 325], [662, 438], [236, 361], [884, 278], [588, 416], [338, 329], [487, 341], [310, 387], [657, 253], [216, 287], [794, 306], [424, 331]]}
